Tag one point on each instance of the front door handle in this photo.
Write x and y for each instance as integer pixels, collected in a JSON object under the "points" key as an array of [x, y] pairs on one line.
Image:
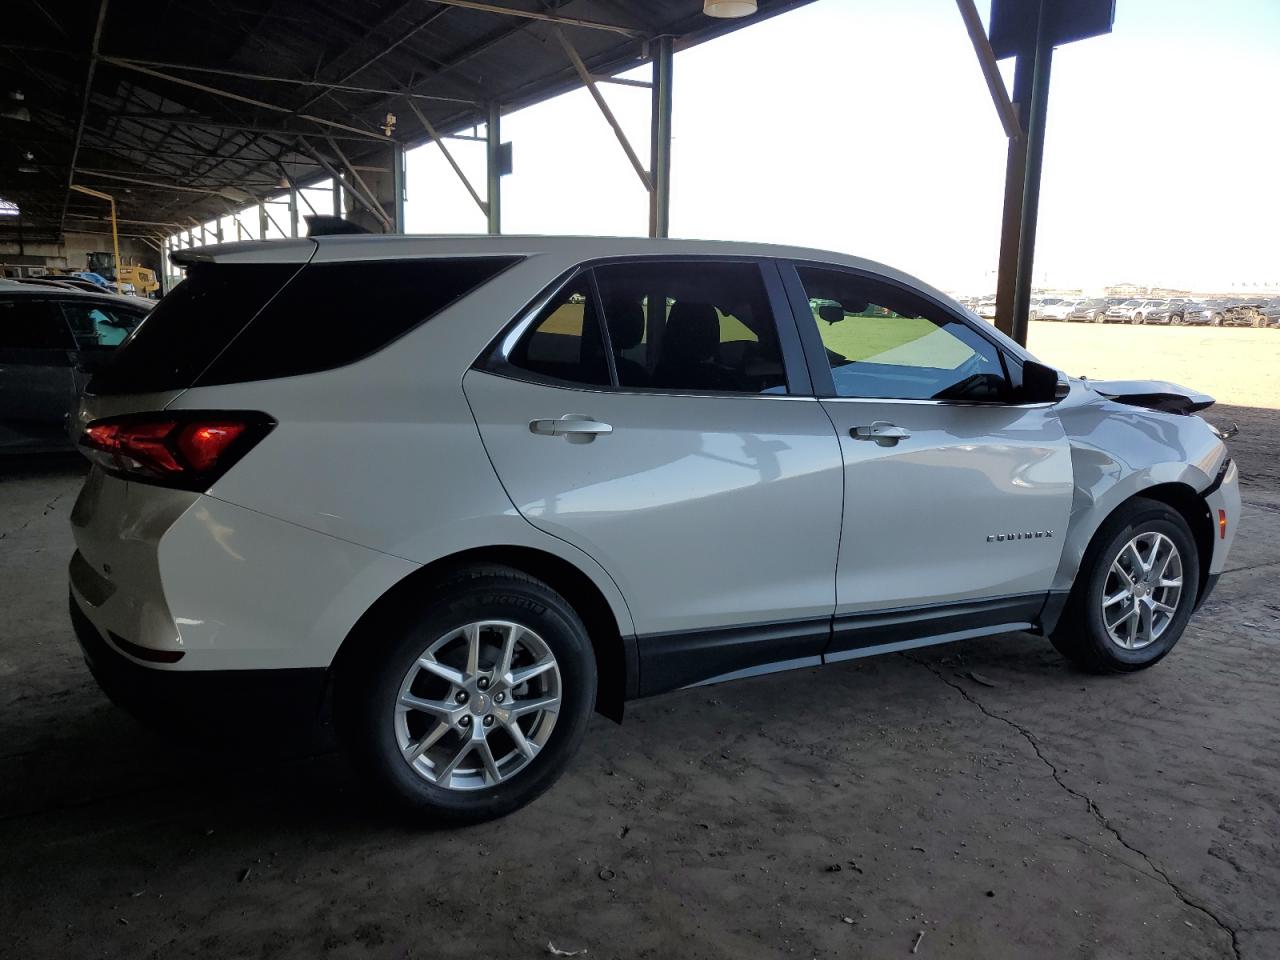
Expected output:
{"points": [[574, 427], [883, 432]]}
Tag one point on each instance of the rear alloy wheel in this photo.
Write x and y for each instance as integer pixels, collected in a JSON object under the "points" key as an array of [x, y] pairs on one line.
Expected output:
{"points": [[1099, 317], [474, 707], [1135, 590], [1216, 321], [1139, 318]]}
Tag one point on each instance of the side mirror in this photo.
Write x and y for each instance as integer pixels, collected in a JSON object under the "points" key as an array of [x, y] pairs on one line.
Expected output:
{"points": [[1042, 384]]}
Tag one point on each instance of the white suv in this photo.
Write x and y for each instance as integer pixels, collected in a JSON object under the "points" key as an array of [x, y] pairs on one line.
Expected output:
{"points": [[454, 493]]}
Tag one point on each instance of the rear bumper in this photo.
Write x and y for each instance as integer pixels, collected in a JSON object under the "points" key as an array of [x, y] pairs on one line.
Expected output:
{"points": [[227, 701]]}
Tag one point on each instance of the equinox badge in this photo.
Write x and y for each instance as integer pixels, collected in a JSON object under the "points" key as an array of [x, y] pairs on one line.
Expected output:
{"points": [[1030, 535]]}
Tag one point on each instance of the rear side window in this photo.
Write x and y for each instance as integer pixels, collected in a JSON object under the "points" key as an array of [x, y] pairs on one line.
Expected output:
{"points": [[30, 324], [191, 326], [565, 343], [99, 324], [333, 314]]}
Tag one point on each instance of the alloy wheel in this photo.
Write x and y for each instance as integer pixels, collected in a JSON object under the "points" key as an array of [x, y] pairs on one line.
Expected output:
{"points": [[478, 705], [1141, 593]]}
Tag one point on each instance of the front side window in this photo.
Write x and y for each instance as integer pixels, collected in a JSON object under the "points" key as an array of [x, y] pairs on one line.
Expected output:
{"points": [[887, 343], [30, 324], [685, 326]]}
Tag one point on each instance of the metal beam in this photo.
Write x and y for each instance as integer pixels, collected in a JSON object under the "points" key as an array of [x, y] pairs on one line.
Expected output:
{"points": [[359, 197], [375, 207], [544, 17], [251, 101], [660, 139], [590, 84], [296, 81], [493, 171], [84, 106], [434, 135], [167, 186], [990, 70]]}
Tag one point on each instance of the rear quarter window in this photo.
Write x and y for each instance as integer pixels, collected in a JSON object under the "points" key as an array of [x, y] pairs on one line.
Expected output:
{"points": [[232, 323], [333, 314]]}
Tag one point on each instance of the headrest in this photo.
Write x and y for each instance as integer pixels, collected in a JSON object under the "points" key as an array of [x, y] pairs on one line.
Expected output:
{"points": [[693, 331], [626, 323]]}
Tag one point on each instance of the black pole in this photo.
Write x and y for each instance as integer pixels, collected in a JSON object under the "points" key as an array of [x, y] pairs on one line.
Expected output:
{"points": [[1014, 183], [1035, 127]]}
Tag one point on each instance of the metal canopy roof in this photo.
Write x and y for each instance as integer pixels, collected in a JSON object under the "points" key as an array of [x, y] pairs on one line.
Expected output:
{"points": [[185, 110]]}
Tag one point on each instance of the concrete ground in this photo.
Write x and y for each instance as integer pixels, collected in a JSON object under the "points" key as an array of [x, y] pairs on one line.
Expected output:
{"points": [[984, 794]]}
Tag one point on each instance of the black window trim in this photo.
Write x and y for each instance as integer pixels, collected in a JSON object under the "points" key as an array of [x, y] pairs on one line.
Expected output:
{"points": [[495, 358], [815, 352]]}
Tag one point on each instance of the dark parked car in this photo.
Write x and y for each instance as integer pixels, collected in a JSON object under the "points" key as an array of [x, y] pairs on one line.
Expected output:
{"points": [[1206, 313], [1090, 311], [1169, 311], [1271, 313], [49, 338]]}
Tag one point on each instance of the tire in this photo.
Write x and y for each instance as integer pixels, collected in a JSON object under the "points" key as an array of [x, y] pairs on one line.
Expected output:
{"points": [[1216, 321], [1175, 320], [372, 724], [1099, 318], [1082, 634], [1138, 319]]}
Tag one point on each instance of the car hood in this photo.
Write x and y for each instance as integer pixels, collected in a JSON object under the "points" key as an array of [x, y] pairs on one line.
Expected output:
{"points": [[1153, 394]]}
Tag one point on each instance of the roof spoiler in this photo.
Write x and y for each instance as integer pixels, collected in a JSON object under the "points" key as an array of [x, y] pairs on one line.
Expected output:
{"points": [[326, 225]]}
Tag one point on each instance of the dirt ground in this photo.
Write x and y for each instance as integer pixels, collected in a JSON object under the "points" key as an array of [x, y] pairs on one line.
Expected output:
{"points": [[982, 794]]}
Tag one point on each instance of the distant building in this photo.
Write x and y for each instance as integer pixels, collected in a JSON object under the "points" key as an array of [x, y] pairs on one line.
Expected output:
{"points": [[1124, 290]]}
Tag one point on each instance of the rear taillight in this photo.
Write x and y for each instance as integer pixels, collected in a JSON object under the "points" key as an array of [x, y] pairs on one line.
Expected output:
{"points": [[189, 450]]}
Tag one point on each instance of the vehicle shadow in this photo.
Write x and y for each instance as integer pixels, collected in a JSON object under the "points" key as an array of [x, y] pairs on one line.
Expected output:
{"points": [[42, 466]]}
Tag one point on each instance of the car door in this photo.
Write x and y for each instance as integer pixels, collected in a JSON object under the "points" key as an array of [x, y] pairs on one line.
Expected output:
{"points": [[682, 449], [956, 497], [36, 360]]}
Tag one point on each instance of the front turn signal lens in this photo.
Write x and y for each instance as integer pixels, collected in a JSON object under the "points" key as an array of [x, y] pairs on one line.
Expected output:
{"points": [[1222, 524]]}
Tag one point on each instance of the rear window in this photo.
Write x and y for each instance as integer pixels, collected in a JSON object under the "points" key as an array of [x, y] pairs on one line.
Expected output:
{"points": [[191, 326], [265, 325]]}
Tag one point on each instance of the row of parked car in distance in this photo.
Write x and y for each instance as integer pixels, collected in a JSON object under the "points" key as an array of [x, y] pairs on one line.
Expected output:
{"points": [[1176, 311]]}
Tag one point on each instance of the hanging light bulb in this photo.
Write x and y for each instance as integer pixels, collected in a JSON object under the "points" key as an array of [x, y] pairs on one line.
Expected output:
{"points": [[727, 9]]}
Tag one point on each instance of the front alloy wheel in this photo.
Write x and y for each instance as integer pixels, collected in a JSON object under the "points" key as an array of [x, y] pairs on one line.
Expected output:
{"points": [[1142, 590], [1134, 592]]}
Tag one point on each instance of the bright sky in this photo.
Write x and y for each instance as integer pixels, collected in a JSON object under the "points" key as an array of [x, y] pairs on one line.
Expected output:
{"points": [[864, 126]]}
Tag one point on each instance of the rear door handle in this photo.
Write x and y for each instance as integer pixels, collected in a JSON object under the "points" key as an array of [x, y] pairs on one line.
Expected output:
{"points": [[574, 427], [883, 432]]}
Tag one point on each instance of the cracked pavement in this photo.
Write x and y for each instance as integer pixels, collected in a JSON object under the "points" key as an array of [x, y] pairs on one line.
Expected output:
{"points": [[838, 812]]}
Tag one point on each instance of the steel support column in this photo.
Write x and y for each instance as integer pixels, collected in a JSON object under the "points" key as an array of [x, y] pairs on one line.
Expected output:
{"points": [[293, 211], [337, 197], [493, 169], [1022, 183], [397, 186], [262, 220], [660, 139]]}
